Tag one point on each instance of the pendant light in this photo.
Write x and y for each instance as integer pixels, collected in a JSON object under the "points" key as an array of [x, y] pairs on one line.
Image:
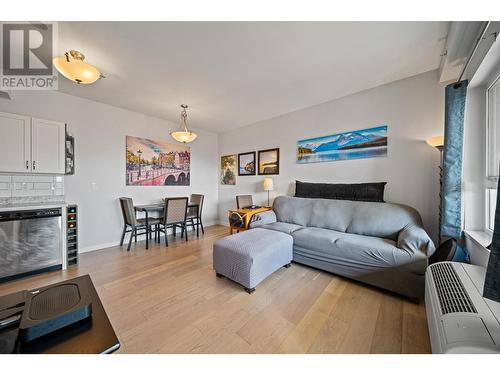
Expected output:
{"points": [[74, 68], [183, 135]]}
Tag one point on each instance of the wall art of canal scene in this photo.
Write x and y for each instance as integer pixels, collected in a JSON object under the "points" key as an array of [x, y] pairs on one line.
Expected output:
{"points": [[359, 144], [157, 163]]}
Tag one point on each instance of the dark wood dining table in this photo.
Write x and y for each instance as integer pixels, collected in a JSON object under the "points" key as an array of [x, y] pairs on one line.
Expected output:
{"points": [[159, 207]]}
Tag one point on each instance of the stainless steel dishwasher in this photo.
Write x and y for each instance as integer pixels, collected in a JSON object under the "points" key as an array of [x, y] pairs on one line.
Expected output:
{"points": [[30, 242]]}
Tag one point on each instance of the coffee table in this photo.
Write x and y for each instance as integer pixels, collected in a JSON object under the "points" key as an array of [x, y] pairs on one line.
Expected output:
{"points": [[92, 336]]}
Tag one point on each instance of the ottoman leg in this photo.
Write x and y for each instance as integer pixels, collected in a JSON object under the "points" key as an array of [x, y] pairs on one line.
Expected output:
{"points": [[219, 274], [288, 265], [249, 290]]}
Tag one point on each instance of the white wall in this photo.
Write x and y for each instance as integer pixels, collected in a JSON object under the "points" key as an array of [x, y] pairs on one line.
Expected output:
{"points": [[99, 179], [414, 110]]}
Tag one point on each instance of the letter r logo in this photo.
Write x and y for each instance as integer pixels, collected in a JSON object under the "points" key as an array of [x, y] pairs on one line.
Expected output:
{"points": [[26, 49]]}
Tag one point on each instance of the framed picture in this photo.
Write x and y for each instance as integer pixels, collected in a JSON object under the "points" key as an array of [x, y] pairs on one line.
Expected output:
{"points": [[358, 144], [246, 164], [269, 161], [228, 170], [156, 163]]}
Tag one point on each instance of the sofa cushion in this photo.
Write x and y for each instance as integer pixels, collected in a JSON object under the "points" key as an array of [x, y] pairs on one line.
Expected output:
{"points": [[367, 192], [366, 218], [282, 227], [357, 251]]}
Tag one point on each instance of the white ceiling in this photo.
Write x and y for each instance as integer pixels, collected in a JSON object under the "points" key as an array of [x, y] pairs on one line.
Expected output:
{"points": [[236, 73]]}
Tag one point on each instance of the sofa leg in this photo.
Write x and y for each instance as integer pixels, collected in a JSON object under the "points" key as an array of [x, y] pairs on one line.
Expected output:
{"points": [[219, 274], [249, 290], [288, 265]]}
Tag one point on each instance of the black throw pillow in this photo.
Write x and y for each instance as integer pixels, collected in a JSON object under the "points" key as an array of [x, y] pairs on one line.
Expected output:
{"points": [[367, 192]]}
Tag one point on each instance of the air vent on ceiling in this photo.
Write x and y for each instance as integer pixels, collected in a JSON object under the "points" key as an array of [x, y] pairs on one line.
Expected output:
{"points": [[451, 293]]}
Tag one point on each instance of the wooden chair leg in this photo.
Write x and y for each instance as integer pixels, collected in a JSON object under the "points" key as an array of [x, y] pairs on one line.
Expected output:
{"points": [[186, 231], [165, 233], [123, 234], [135, 235]]}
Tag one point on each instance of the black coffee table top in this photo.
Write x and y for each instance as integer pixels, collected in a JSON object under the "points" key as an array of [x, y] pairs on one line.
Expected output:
{"points": [[91, 336]]}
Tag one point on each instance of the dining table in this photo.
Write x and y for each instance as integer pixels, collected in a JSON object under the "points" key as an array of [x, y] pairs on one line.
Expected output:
{"points": [[152, 208]]}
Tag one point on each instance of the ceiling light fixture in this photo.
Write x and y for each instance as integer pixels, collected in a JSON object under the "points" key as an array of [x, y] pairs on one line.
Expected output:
{"points": [[72, 66], [183, 135]]}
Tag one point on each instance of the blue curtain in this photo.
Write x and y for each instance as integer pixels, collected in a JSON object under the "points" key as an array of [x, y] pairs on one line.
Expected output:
{"points": [[451, 194]]}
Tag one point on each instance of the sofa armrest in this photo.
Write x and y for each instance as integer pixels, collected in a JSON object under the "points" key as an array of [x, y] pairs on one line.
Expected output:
{"points": [[415, 239], [263, 218]]}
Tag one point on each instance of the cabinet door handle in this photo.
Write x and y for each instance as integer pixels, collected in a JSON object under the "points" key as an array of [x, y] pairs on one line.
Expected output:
{"points": [[27, 164], [33, 165]]}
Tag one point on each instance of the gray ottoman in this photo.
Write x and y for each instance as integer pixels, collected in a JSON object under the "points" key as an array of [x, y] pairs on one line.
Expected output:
{"points": [[251, 256]]}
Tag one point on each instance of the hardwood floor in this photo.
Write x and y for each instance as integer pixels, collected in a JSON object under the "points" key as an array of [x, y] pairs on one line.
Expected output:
{"points": [[168, 300]]}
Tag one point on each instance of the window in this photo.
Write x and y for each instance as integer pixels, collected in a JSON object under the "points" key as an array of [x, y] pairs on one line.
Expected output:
{"points": [[492, 151], [491, 202], [493, 129]]}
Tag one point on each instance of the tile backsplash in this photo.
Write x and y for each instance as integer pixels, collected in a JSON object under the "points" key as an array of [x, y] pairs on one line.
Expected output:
{"points": [[30, 188]]}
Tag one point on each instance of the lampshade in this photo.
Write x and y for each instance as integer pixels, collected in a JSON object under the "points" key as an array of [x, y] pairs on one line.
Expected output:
{"points": [[437, 141], [267, 184], [72, 66], [183, 135]]}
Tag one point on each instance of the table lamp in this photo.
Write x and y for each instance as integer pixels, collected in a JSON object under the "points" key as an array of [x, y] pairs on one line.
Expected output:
{"points": [[268, 186]]}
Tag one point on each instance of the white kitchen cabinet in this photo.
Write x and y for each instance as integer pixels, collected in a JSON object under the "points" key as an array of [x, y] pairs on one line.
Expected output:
{"points": [[15, 143], [47, 146], [31, 145]]}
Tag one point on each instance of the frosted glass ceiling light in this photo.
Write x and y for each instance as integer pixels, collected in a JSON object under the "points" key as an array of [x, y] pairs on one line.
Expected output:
{"points": [[74, 68], [183, 135]]}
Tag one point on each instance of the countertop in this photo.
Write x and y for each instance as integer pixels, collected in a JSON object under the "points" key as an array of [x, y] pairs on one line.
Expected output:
{"points": [[31, 206]]}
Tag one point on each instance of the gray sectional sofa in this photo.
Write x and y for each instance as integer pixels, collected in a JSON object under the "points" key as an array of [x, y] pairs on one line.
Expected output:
{"points": [[381, 244]]}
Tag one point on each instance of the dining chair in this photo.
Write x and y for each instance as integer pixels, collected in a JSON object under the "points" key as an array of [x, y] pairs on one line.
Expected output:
{"points": [[243, 201], [133, 225], [174, 216], [195, 214]]}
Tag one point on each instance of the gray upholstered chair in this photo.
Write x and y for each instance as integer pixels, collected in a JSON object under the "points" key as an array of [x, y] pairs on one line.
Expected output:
{"points": [[243, 201], [195, 214], [174, 216], [131, 223]]}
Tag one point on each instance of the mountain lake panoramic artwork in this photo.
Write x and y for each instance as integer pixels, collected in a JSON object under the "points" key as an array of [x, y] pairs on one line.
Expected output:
{"points": [[358, 144]]}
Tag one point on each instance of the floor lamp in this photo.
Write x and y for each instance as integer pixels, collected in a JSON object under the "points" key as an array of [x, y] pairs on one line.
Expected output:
{"points": [[438, 142], [268, 186]]}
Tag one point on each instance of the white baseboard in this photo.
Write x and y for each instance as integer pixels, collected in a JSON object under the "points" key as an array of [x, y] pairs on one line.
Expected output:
{"points": [[88, 249]]}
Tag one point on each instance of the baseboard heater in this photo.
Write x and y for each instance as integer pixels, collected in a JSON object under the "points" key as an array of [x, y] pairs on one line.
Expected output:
{"points": [[460, 320]]}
